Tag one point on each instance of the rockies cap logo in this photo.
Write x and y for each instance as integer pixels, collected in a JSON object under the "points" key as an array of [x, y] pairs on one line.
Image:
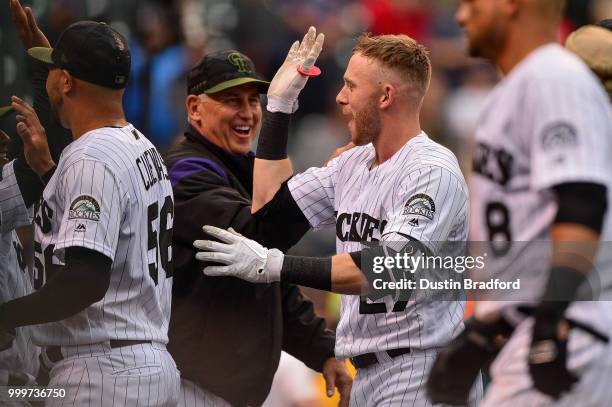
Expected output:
{"points": [[239, 62]]}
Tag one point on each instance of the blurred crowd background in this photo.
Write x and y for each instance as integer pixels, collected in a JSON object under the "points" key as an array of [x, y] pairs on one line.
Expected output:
{"points": [[168, 37]]}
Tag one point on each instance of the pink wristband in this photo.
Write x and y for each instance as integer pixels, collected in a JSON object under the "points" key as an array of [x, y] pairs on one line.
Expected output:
{"points": [[312, 72]]}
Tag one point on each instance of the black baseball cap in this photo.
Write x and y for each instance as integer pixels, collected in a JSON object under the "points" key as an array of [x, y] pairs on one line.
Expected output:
{"points": [[607, 23], [91, 51], [222, 70]]}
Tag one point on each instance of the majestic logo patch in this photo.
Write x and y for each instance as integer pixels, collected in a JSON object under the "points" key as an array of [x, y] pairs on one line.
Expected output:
{"points": [[559, 135], [420, 204], [84, 207]]}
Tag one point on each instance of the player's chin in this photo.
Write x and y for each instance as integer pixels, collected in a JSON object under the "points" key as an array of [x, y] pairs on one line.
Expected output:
{"points": [[359, 140]]}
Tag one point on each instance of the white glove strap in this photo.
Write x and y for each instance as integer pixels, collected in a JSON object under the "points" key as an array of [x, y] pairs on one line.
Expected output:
{"points": [[278, 104], [274, 265]]}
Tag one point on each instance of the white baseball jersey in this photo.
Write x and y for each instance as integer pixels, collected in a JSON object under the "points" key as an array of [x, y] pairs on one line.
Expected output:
{"points": [[110, 193], [548, 122], [14, 279], [419, 193]]}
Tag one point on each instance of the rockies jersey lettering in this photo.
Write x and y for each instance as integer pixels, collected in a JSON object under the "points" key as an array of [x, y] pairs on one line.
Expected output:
{"points": [[110, 193], [547, 123], [358, 227], [151, 168], [495, 164], [419, 193]]}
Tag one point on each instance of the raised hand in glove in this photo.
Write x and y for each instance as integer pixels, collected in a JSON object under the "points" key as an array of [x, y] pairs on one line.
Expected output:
{"points": [[291, 77], [243, 258], [548, 352], [456, 368]]}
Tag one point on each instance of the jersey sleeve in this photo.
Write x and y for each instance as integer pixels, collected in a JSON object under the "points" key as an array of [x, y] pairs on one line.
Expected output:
{"points": [[13, 211], [94, 205], [571, 132], [430, 206], [314, 192]]}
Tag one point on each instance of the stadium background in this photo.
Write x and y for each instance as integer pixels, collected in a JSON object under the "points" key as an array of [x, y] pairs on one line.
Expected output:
{"points": [[167, 37]]}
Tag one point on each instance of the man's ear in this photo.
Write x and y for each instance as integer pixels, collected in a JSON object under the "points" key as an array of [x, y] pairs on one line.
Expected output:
{"points": [[66, 82], [192, 103], [512, 7], [387, 97]]}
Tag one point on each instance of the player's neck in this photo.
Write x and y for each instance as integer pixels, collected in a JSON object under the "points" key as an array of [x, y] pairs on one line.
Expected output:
{"points": [[95, 116], [520, 45], [394, 135]]}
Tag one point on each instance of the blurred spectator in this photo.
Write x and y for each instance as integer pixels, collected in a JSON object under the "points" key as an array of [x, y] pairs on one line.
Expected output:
{"points": [[462, 110], [411, 17], [159, 59], [294, 385]]}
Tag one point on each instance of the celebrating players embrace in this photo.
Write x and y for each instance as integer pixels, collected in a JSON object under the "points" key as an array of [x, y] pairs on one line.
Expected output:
{"points": [[92, 314]]}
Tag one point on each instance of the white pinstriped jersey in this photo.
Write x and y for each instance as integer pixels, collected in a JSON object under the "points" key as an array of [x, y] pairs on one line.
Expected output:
{"points": [[369, 204], [548, 122], [110, 193], [13, 212], [14, 279]]}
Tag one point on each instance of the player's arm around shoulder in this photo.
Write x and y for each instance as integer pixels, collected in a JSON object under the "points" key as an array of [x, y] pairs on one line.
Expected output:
{"points": [[315, 190]]}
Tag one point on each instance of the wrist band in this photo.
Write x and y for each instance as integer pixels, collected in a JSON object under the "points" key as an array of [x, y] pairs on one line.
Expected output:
{"points": [[273, 137], [311, 73], [313, 272]]}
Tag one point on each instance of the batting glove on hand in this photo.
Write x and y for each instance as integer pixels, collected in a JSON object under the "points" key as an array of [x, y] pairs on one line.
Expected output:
{"points": [[548, 353], [243, 258], [288, 82], [456, 368]]}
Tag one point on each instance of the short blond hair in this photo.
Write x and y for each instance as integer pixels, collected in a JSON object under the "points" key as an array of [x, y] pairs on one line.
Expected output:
{"points": [[399, 53]]}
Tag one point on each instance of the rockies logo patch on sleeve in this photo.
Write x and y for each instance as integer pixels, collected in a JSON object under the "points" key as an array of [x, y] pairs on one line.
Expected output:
{"points": [[420, 204], [84, 207], [559, 135]]}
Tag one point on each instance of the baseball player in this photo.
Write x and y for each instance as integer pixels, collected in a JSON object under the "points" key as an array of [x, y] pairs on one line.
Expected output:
{"points": [[396, 185], [21, 187], [18, 356], [542, 176], [103, 236]]}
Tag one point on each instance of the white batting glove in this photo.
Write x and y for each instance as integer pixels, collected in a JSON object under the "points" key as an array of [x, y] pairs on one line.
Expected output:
{"points": [[288, 82], [243, 258]]}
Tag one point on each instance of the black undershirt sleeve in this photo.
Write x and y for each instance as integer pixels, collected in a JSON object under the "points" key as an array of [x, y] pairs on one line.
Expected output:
{"points": [[282, 208], [581, 203], [82, 281]]}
